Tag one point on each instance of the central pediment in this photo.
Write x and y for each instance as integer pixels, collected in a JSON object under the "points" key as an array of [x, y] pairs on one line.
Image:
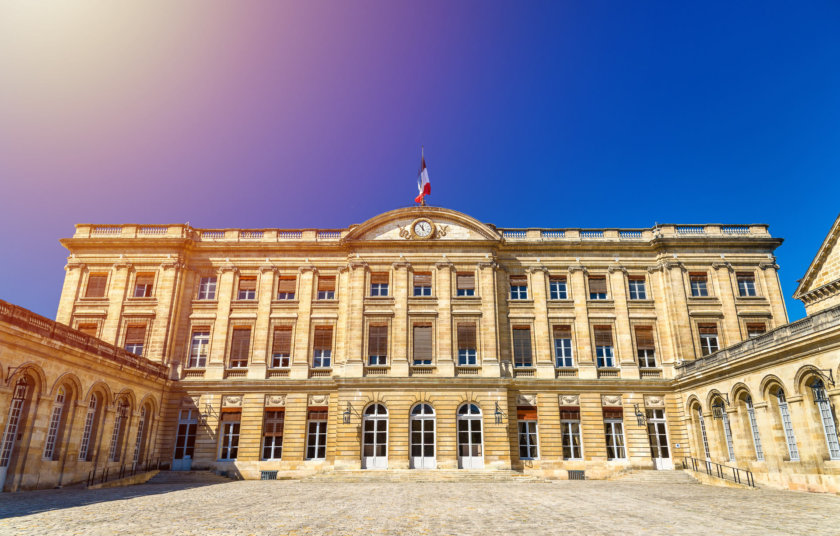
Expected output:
{"points": [[443, 224]]}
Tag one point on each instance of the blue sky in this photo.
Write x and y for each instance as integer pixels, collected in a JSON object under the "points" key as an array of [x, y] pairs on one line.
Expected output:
{"points": [[555, 114]]}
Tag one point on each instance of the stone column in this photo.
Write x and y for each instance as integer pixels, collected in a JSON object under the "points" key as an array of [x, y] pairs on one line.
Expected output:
{"points": [[354, 366], [400, 326], [218, 343], [262, 337], [445, 363], [543, 358], [625, 359], [116, 297], [770, 271], [342, 325], [583, 352], [167, 285], [673, 274], [301, 350], [731, 327], [667, 350], [70, 290], [489, 332]]}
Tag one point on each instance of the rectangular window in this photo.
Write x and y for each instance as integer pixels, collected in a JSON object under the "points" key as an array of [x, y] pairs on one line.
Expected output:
{"points": [[699, 288], [570, 428], [377, 344], [247, 288], [281, 349], [199, 349], [518, 287], [316, 434], [526, 417], [746, 284], [143, 285], [240, 347], [273, 434], [286, 288], [603, 346], [645, 349], [756, 329], [465, 284], [379, 284], [89, 329], [522, 346], [637, 287], [326, 288], [557, 288], [422, 342], [96, 286], [322, 350], [614, 432], [467, 355], [563, 346], [708, 338], [423, 284], [597, 287], [207, 288], [229, 436], [135, 336]]}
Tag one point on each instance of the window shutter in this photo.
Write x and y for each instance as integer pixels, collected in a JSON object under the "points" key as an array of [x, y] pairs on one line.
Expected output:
{"points": [[522, 343], [144, 279], [379, 278], [603, 335], [636, 277], [465, 281], [323, 338], [247, 283], [598, 285], [231, 416], [569, 413], [562, 332], [274, 423], [135, 334], [613, 413], [317, 413], [746, 275], [557, 278], [707, 329], [526, 413], [422, 280], [378, 340], [326, 284], [518, 281], [422, 342], [644, 338], [88, 329], [751, 328], [241, 344], [466, 337], [286, 284], [282, 340], [96, 286], [697, 276]]}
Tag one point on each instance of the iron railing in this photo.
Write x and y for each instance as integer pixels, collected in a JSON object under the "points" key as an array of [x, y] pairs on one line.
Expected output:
{"points": [[724, 472], [106, 475]]}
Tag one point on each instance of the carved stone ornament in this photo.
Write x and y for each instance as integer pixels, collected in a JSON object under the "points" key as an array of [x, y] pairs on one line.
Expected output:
{"points": [[232, 401], [654, 402], [575, 267], [570, 400], [616, 268], [319, 400], [275, 401], [190, 401], [611, 401], [526, 400]]}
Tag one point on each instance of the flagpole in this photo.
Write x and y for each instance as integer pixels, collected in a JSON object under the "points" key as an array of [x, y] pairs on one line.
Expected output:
{"points": [[422, 155]]}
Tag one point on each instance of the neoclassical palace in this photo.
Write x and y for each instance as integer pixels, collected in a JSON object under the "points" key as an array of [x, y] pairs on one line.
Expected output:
{"points": [[425, 340]]}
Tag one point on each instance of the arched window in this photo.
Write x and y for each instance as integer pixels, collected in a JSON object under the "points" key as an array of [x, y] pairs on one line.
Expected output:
{"points": [[423, 437], [56, 424], [759, 452], [719, 412], [13, 422], [787, 425], [139, 444], [90, 429], [701, 422], [827, 418], [375, 437], [470, 437], [119, 426]]}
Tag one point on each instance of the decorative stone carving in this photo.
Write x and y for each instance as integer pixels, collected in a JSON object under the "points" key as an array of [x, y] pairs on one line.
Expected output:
{"points": [[190, 401], [444, 265], [533, 269], [268, 268], [616, 268], [724, 264], [319, 400], [575, 267], [228, 268], [526, 400], [442, 230], [570, 400], [307, 268], [232, 401], [275, 401], [652, 401], [610, 401], [768, 265]]}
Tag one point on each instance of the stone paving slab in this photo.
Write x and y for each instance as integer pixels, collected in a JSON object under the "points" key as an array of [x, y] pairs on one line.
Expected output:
{"points": [[456, 508]]}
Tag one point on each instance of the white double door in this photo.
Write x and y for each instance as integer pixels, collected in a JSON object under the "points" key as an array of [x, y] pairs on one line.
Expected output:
{"points": [[658, 439], [375, 442], [470, 443], [423, 443]]}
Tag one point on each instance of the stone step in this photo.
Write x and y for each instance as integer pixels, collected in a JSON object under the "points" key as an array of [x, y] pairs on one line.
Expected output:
{"points": [[667, 476], [187, 477], [428, 475]]}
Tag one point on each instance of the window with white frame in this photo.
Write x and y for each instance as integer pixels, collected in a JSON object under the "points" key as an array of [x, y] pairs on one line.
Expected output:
{"points": [[563, 346], [638, 289], [247, 288], [326, 287], [273, 434], [199, 348], [379, 284], [597, 287], [377, 345], [570, 429], [55, 424], [518, 287], [527, 424], [708, 338], [703, 436], [117, 435], [286, 287], [322, 348], [645, 347], [281, 348], [465, 284], [727, 430], [787, 426], [557, 288], [614, 433], [316, 434], [604, 357], [699, 284], [522, 346], [141, 435], [229, 436], [746, 284], [10, 433], [827, 418], [89, 430], [207, 288], [422, 284], [143, 284], [467, 344], [759, 452], [135, 336]]}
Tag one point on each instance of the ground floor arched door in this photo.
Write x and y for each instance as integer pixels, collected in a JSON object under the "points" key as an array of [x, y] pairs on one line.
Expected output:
{"points": [[658, 439], [375, 437], [470, 437], [423, 437], [185, 440], [11, 432]]}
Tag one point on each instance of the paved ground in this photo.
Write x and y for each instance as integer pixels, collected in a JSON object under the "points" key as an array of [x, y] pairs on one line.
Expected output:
{"points": [[312, 508]]}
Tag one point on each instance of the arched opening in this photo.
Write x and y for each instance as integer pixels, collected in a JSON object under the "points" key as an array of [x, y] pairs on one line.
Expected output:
{"points": [[185, 439], [121, 422], [423, 437], [144, 426], [723, 429], [749, 423], [701, 436], [375, 437], [90, 431], [821, 410], [783, 426], [59, 418], [470, 437], [17, 419]]}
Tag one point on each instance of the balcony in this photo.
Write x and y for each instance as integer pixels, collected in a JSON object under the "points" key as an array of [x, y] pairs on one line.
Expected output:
{"points": [[608, 372]]}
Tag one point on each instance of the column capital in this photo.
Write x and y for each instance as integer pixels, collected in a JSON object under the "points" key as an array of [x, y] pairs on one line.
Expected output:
{"points": [[267, 268], [721, 265], [535, 269], [354, 264], [74, 265], [227, 268], [490, 264], [616, 268], [120, 264], [577, 267], [307, 268], [444, 265], [768, 264], [401, 264]]}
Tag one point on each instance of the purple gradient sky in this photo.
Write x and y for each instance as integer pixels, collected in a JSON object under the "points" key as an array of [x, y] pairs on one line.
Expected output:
{"points": [[311, 114]]}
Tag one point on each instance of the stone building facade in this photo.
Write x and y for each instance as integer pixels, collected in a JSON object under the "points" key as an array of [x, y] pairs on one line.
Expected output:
{"points": [[425, 339]]}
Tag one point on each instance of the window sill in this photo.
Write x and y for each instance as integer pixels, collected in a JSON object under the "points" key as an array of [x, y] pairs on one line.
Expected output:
{"points": [[422, 370], [205, 303], [193, 373], [474, 298], [320, 372], [145, 301], [377, 370], [520, 303], [600, 303], [467, 370], [524, 372], [90, 299], [239, 372], [565, 301], [608, 372], [565, 372], [331, 301], [285, 302], [277, 373], [646, 302], [650, 372], [379, 300]]}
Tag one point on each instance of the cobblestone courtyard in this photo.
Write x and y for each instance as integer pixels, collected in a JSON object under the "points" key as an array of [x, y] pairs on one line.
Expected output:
{"points": [[310, 508]]}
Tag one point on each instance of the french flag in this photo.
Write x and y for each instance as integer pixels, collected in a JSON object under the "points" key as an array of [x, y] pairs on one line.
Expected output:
{"points": [[423, 184]]}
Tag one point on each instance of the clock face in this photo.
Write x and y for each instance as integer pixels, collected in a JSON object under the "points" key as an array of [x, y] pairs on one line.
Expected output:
{"points": [[423, 229]]}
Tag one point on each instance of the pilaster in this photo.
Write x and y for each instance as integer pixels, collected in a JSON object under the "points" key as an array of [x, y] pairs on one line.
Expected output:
{"points": [[445, 363], [69, 291], [731, 327], [218, 344], [116, 297], [301, 353], [770, 273], [489, 333], [542, 335], [399, 326], [265, 293], [167, 286], [583, 351], [624, 339], [354, 366]]}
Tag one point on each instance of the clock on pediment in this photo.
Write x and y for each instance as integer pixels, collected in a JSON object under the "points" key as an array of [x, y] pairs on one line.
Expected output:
{"points": [[422, 229]]}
